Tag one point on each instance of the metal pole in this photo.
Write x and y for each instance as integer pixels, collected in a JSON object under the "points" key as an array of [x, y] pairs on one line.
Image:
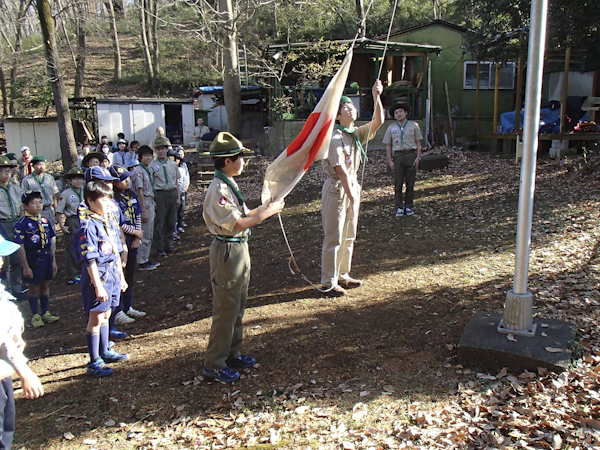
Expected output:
{"points": [[518, 309]]}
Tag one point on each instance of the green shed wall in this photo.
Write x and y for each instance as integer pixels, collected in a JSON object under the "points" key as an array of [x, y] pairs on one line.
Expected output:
{"points": [[449, 66]]}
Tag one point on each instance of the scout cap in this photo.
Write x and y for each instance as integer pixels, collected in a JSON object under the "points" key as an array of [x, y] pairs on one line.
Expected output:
{"points": [[30, 195], [133, 163], [171, 152], [98, 173], [86, 159], [119, 172], [224, 145], [344, 99], [404, 106], [143, 150], [13, 159], [4, 161], [38, 159], [160, 142], [24, 148], [7, 247], [122, 141], [74, 173]]}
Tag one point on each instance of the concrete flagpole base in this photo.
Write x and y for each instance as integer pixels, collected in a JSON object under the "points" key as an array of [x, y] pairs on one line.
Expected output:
{"points": [[482, 346]]}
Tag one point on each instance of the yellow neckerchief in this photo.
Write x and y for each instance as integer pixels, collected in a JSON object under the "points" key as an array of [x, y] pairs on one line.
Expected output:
{"points": [[130, 212], [89, 214], [38, 219]]}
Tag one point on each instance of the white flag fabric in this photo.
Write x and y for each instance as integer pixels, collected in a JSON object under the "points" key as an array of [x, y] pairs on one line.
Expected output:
{"points": [[312, 144]]}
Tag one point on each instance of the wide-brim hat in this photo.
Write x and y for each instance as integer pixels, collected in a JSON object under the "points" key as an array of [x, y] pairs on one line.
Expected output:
{"points": [[160, 141], [73, 173], [38, 159], [224, 145], [119, 172], [86, 159], [404, 106], [4, 161]]}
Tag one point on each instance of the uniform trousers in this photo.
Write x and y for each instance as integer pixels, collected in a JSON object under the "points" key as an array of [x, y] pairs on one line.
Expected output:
{"points": [[15, 269], [405, 172], [230, 276], [7, 413], [148, 229], [164, 222], [340, 232], [73, 266]]}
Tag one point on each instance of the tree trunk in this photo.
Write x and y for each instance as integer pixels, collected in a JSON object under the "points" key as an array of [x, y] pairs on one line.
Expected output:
{"points": [[155, 68], [145, 43], [65, 128], [360, 11], [119, 9], [81, 49], [115, 38], [231, 80], [23, 4], [4, 93]]}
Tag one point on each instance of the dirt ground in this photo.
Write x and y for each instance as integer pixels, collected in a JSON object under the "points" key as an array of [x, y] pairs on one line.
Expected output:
{"points": [[381, 350]]}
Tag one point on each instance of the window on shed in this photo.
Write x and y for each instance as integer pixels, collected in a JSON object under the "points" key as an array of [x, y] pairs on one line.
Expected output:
{"points": [[487, 75]]}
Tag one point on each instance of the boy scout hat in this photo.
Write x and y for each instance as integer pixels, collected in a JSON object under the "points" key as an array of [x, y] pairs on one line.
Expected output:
{"points": [[160, 142], [345, 99], [98, 173], [86, 159], [224, 145], [38, 159], [4, 161], [13, 159], [28, 195], [7, 247], [404, 106], [74, 172], [171, 152], [143, 150], [119, 172]]}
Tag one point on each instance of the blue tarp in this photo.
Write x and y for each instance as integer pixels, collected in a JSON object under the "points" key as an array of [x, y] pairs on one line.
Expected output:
{"points": [[549, 120], [215, 89]]}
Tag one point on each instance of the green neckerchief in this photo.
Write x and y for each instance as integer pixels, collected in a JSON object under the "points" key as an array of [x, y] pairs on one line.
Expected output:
{"points": [[38, 220], [402, 132], [362, 155], [79, 194], [10, 202], [41, 183], [149, 176], [221, 176], [164, 164]]}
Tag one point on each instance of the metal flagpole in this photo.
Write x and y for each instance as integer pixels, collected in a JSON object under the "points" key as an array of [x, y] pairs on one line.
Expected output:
{"points": [[518, 308]]}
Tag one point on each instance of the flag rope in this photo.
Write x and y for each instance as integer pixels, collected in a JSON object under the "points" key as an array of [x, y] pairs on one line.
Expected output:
{"points": [[292, 259]]}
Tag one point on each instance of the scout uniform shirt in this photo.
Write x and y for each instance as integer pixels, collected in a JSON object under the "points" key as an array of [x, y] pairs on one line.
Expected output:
{"points": [[343, 150], [10, 202], [166, 174], [130, 211], [222, 209], [143, 178], [69, 201], [35, 233], [44, 184], [99, 239], [403, 137]]}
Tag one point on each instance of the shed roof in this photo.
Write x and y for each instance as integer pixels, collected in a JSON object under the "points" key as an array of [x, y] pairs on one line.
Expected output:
{"points": [[145, 100], [440, 22]]}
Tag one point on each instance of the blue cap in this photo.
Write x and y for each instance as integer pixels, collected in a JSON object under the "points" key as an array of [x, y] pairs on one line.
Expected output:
{"points": [[7, 247], [98, 173], [28, 195], [133, 163], [119, 172]]}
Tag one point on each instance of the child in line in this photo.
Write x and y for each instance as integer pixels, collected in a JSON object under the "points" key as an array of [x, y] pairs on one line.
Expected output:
{"points": [[12, 358], [34, 233], [102, 279], [68, 203], [92, 159], [129, 205], [184, 185]]}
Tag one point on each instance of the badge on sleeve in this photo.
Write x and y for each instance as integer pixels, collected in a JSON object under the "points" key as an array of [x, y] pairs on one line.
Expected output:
{"points": [[348, 160], [222, 201]]}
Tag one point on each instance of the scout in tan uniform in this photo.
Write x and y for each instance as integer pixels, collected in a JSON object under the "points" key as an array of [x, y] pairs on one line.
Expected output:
{"points": [[44, 183], [142, 182], [68, 202], [10, 209], [341, 193], [403, 145], [228, 220], [166, 181]]}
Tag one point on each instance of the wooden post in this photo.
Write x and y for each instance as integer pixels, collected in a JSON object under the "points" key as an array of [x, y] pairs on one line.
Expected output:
{"points": [[496, 86], [449, 114], [477, 101], [565, 90], [519, 92]]}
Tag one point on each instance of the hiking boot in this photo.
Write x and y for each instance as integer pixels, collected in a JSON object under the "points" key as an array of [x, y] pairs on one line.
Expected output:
{"points": [[37, 321], [98, 369], [122, 319], [113, 356], [115, 335], [135, 313], [49, 318], [241, 362], [399, 212], [350, 283], [225, 375], [408, 211], [336, 291]]}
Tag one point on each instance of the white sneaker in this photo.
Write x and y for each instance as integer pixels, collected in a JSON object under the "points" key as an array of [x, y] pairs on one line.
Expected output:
{"points": [[135, 313], [399, 212], [121, 318]]}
